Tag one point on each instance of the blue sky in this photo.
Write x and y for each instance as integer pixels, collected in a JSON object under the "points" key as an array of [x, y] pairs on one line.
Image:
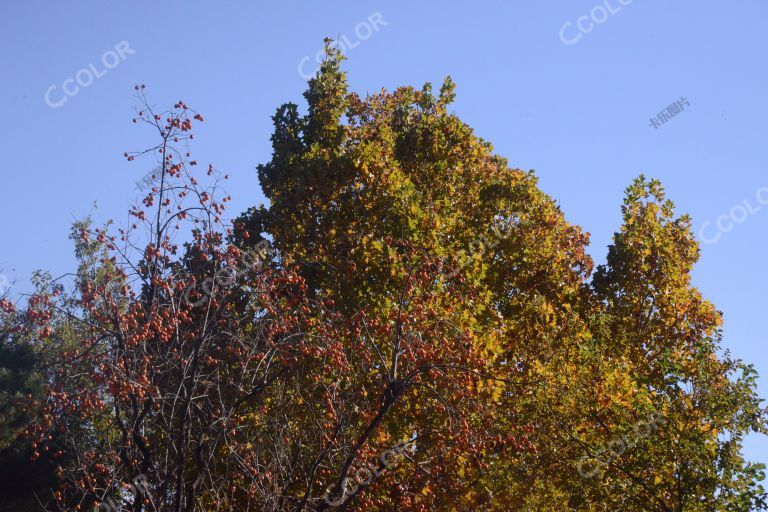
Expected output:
{"points": [[565, 87]]}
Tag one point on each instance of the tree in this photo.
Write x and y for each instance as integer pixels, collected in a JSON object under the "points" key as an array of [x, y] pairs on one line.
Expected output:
{"points": [[359, 206], [405, 295], [24, 483], [668, 341], [358, 186]]}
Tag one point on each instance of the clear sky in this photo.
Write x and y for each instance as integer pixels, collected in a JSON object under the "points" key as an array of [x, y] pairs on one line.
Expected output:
{"points": [[565, 87]]}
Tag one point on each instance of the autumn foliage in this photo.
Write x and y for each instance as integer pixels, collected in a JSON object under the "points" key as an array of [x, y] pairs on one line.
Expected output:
{"points": [[421, 294]]}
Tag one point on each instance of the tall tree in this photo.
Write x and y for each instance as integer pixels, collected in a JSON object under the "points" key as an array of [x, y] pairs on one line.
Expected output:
{"points": [[423, 301], [360, 188], [20, 380]]}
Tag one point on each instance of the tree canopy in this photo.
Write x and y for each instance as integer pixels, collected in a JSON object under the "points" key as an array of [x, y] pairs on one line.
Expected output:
{"points": [[426, 331]]}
